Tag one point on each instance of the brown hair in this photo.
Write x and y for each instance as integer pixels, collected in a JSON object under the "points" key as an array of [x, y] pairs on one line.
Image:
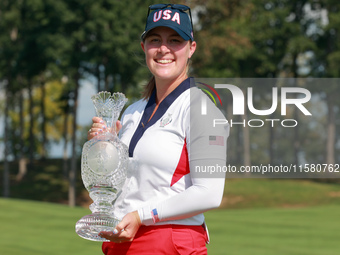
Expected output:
{"points": [[146, 94]]}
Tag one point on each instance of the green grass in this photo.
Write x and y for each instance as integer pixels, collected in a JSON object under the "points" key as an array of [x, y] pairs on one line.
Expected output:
{"points": [[268, 231], [273, 217], [259, 193], [42, 228], [34, 228]]}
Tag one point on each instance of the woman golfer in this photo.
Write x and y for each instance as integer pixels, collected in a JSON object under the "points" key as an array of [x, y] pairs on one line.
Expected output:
{"points": [[163, 199]]}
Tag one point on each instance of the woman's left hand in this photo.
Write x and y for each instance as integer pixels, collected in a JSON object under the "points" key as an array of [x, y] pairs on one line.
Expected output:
{"points": [[125, 231]]}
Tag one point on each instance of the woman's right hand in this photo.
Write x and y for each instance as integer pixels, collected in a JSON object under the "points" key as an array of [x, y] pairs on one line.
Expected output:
{"points": [[99, 126]]}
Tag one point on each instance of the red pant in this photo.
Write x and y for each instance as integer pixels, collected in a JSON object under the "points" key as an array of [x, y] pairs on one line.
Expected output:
{"points": [[167, 239]]}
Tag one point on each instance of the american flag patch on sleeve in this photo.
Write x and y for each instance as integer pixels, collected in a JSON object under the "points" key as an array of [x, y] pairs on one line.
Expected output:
{"points": [[216, 140], [154, 215]]}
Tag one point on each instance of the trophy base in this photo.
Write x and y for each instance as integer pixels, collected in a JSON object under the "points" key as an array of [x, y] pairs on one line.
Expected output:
{"points": [[89, 226]]}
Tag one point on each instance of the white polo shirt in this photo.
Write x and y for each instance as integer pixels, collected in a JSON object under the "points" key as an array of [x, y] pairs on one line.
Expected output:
{"points": [[164, 152]]}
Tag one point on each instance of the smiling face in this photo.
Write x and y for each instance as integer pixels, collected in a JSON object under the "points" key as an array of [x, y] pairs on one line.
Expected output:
{"points": [[167, 54]]}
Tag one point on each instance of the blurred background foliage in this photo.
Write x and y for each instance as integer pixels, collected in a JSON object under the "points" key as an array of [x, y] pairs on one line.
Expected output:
{"points": [[48, 47]]}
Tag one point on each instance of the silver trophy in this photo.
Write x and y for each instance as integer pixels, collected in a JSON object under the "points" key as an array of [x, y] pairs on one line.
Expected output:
{"points": [[103, 168]]}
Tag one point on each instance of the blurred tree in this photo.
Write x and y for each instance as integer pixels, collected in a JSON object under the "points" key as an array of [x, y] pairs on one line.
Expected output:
{"points": [[41, 43], [222, 36], [9, 45], [327, 35], [47, 47], [69, 40], [105, 38], [261, 38]]}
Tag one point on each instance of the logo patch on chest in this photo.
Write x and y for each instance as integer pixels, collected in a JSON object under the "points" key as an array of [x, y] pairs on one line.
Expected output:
{"points": [[165, 120]]}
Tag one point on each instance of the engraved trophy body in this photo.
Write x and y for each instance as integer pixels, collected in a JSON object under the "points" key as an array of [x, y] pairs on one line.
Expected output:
{"points": [[103, 168]]}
